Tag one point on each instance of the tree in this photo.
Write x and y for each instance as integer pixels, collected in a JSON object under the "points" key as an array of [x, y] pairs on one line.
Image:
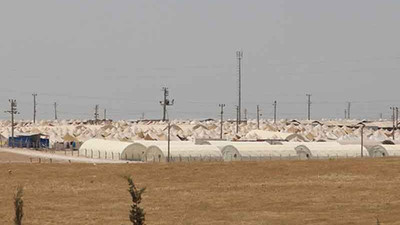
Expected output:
{"points": [[137, 214]]}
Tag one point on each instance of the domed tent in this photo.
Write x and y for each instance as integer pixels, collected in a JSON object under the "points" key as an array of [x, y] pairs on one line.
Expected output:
{"points": [[250, 151], [329, 150], [182, 152], [230, 153], [105, 149], [384, 150]]}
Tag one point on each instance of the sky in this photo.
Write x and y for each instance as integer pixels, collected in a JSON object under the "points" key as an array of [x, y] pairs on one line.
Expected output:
{"points": [[119, 54]]}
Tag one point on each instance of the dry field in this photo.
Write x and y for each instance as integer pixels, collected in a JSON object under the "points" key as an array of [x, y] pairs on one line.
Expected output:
{"points": [[277, 192]]}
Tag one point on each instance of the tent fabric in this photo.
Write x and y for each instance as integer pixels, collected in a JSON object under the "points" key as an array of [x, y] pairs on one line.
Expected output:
{"points": [[159, 152], [105, 149], [328, 150], [263, 151], [230, 153], [384, 150], [69, 138]]}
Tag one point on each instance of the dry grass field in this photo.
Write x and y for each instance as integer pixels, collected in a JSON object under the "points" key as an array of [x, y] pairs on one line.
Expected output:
{"points": [[273, 192]]}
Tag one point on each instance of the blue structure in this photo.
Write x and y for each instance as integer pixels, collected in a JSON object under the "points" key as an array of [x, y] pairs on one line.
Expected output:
{"points": [[29, 141]]}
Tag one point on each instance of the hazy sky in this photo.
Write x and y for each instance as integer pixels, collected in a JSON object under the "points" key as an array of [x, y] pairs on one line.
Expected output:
{"points": [[119, 54]]}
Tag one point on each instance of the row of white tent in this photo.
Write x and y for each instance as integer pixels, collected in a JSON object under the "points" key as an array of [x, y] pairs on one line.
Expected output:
{"points": [[157, 151]]}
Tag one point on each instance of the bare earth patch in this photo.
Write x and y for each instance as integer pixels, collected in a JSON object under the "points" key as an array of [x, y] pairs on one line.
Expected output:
{"points": [[355, 191]]}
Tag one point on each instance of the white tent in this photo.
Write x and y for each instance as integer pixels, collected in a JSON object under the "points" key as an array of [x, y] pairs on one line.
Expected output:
{"points": [[384, 150], [264, 151], [99, 148], [329, 150], [182, 152], [230, 153]]}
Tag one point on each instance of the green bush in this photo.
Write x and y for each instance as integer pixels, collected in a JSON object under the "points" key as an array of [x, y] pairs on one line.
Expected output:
{"points": [[137, 214]]}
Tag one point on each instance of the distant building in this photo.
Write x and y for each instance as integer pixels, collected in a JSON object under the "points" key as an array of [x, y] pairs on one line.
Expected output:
{"points": [[29, 141]]}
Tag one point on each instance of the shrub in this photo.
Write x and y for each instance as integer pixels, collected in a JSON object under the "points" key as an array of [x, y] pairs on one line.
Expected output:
{"points": [[19, 205], [137, 214]]}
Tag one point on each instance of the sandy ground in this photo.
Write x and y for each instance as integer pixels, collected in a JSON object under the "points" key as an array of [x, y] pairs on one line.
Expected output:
{"points": [[24, 155], [346, 191]]}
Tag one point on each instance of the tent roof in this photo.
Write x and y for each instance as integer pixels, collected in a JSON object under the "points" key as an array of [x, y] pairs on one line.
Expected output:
{"points": [[69, 138]]}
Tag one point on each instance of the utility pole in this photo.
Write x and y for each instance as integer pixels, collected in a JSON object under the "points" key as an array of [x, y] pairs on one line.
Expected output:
{"points": [[309, 106], [397, 118], [258, 117], [345, 113], [13, 111], [34, 107], [239, 56], [55, 110], [275, 104], [105, 114], [394, 120], [237, 119], [222, 120], [169, 141], [142, 118], [245, 115], [362, 140], [166, 102], [348, 110], [96, 114]]}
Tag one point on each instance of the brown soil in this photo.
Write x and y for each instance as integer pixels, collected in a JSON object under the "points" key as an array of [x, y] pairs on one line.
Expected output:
{"points": [[355, 191]]}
